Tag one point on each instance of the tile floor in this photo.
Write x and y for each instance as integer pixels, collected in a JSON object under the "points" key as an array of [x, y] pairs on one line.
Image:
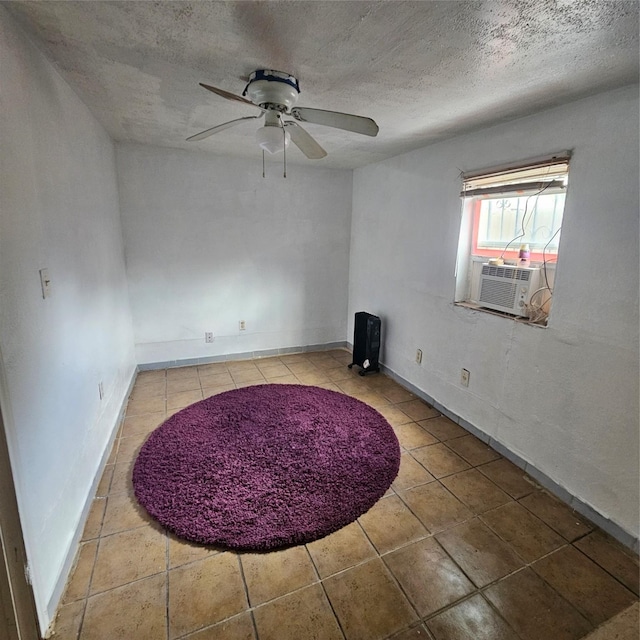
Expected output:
{"points": [[463, 546]]}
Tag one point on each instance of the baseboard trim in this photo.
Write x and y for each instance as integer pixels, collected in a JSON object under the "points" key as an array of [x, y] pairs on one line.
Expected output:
{"points": [[245, 355], [72, 552], [584, 509]]}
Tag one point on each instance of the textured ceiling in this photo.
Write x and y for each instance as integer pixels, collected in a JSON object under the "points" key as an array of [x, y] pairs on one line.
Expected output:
{"points": [[423, 70]]}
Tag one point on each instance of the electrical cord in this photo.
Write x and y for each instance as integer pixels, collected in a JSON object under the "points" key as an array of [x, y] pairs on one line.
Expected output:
{"points": [[524, 217], [544, 259]]}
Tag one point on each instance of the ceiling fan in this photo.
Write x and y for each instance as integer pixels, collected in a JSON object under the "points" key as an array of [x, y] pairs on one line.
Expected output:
{"points": [[275, 93]]}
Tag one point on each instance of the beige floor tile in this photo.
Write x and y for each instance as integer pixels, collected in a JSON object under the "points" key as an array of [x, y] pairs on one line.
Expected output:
{"points": [[93, 525], [414, 633], [208, 392], [439, 460], [472, 450], [212, 368], [239, 627], [182, 385], [129, 447], [274, 370], [196, 599], [472, 619], [534, 610], [394, 416], [105, 481], [123, 512], [443, 428], [619, 561], [303, 366], [373, 399], [149, 390], [183, 399], [122, 478], [417, 409], [389, 524], [128, 556], [291, 379], [312, 378], [412, 436], [150, 377], [529, 536], [434, 506], [215, 379], [241, 365], [428, 576], [590, 589], [380, 608], [183, 552], [624, 626], [557, 515], [509, 478], [330, 386], [247, 375], [395, 393], [411, 474], [341, 550], [475, 490], [78, 584], [340, 374], [479, 552], [68, 621], [136, 610], [182, 373], [274, 574], [302, 614], [144, 424], [142, 406], [113, 454]]}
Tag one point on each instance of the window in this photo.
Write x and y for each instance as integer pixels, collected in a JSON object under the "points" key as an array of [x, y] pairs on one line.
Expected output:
{"points": [[512, 221]]}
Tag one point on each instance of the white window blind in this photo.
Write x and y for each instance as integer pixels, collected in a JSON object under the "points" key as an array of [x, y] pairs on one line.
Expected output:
{"points": [[547, 176]]}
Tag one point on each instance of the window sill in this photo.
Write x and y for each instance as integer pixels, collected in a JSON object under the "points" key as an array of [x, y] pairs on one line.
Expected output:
{"points": [[476, 307]]}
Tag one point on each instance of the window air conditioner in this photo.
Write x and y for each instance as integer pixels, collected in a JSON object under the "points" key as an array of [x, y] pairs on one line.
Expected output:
{"points": [[507, 288]]}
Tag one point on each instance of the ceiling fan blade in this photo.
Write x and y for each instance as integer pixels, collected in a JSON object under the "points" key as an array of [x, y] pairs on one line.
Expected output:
{"points": [[346, 121], [221, 127], [304, 141], [227, 94]]}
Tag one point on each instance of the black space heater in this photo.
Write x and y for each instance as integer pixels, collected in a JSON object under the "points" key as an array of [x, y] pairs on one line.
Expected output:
{"points": [[366, 343]]}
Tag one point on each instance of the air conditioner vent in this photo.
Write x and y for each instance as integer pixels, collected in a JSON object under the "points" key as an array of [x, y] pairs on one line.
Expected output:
{"points": [[498, 293], [506, 272], [507, 288]]}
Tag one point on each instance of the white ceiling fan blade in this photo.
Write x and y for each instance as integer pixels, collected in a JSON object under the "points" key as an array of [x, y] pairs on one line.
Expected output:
{"points": [[304, 141], [226, 94], [221, 127], [346, 121]]}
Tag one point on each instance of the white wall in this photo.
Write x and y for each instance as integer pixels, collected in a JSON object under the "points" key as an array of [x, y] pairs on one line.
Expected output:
{"points": [[59, 207], [209, 242], [564, 398]]}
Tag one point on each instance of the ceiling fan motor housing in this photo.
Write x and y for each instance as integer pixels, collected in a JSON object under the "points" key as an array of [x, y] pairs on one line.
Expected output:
{"points": [[272, 90]]}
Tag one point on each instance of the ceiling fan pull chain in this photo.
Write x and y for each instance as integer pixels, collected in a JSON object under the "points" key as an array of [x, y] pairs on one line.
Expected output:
{"points": [[284, 150], [263, 163]]}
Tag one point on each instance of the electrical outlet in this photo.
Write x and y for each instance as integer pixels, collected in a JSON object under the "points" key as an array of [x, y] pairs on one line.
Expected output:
{"points": [[464, 377], [208, 336], [243, 325], [419, 356], [101, 389]]}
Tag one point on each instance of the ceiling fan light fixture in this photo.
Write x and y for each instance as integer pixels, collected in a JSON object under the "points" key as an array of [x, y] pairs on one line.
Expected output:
{"points": [[272, 139]]}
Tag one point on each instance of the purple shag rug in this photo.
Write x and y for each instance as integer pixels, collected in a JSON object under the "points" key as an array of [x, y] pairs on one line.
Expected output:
{"points": [[266, 466]]}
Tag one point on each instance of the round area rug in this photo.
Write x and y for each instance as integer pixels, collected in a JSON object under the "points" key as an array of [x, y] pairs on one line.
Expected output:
{"points": [[266, 466]]}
